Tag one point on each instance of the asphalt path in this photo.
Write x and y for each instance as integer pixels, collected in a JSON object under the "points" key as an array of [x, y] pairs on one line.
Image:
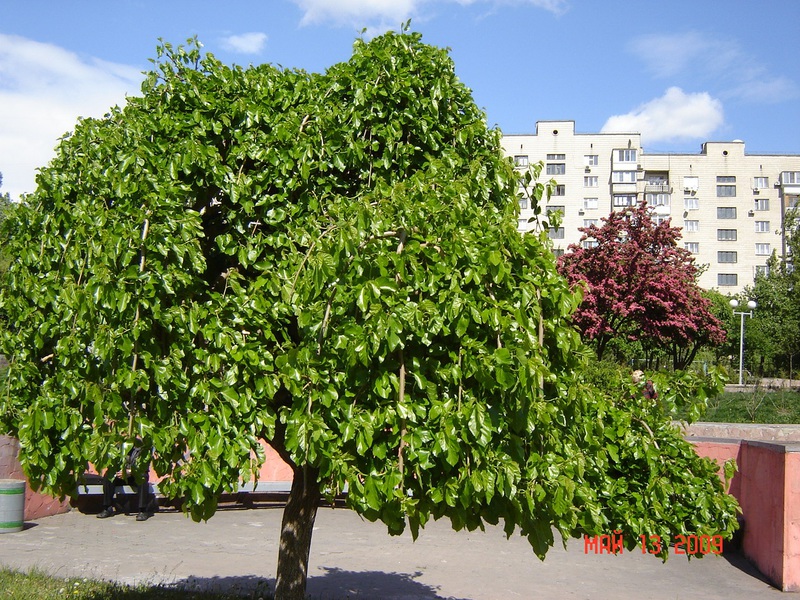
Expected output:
{"points": [[237, 549]]}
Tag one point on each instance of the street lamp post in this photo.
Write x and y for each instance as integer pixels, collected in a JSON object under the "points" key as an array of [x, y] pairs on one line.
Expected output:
{"points": [[751, 304]]}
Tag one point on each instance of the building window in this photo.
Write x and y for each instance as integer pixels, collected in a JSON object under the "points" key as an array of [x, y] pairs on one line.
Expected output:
{"points": [[589, 244], [522, 224], [691, 203], [556, 233], [693, 247], [726, 257], [558, 252], [726, 235], [762, 226], [659, 219], [621, 200], [523, 204], [762, 270], [627, 155], [691, 226], [761, 203], [658, 199], [590, 181], [560, 190], [556, 157], [790, 177], [726, 186], [623, 177], [521, 160], [727, 279], [760, 183], [762, 249], [555, 208], [590, 203], [726, 212], [591, 160], [590, 222], [691, 184], [556, 168]]}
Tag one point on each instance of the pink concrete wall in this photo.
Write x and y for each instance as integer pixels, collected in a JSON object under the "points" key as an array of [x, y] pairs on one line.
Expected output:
{"points": [[36, 505], [767, 487], [791, 542]]}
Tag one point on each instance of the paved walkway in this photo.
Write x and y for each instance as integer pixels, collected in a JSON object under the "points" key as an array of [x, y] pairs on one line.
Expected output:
{"points": [[352, 558]]}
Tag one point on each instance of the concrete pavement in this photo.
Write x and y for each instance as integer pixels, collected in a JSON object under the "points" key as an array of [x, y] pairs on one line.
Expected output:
{"points": [[351, 558]]}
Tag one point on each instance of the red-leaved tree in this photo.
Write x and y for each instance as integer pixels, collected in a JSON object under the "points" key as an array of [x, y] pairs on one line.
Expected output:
{"points": [[639, 284]]}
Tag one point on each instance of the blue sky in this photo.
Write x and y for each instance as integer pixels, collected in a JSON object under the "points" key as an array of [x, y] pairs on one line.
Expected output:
{"points": [[680, 72]]}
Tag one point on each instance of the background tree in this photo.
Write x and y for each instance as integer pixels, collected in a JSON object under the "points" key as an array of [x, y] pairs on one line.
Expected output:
{"points": [[329, 263], [773, 333], [639, 284]]}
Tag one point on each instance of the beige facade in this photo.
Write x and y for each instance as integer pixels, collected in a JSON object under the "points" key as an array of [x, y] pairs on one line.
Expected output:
{"points": [[729, 205]]}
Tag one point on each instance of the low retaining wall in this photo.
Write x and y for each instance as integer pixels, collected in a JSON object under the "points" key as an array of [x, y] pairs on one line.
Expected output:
{"points": [[767, 486], [36, 505]]}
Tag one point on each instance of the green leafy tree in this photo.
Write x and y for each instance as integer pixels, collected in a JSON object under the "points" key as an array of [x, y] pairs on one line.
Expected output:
{"points": [[330, 263]]}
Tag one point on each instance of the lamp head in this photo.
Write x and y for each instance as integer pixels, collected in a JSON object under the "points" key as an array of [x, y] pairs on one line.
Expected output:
{"points": [[734, 302]]}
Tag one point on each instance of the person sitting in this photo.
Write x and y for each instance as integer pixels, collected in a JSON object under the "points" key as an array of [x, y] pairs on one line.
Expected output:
{"points": [[112, 480]]}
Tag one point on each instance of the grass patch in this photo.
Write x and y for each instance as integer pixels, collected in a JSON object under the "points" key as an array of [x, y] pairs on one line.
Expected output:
{"points": [[757, 406], [36, 585]]}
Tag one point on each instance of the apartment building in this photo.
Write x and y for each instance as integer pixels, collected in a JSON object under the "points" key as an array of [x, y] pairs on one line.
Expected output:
{"points": [[729, 205]]}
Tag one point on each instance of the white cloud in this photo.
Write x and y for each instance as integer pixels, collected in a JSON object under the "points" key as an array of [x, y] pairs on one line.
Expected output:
{"points": [[392, 13], [44, 89], [719, 62], [245, 43], [675, 116]]}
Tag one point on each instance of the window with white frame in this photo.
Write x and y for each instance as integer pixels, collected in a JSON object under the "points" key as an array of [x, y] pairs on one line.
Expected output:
{"points": [[521, 160], [555, 208], [726, 235], [726, 212], [659, 219], [523, 204], [760, 183], [762, 226], [660, 199], [762, 250], [621, 200], [726, 186], [691, 225], [691, 183], [691, 203], [591, 160], [626, 155], [556, 157], [590, 203], [623, 177], [590, 222], [556, 233], [761, 203], [762, 270], [727, 256], [555, 169], [589, 244], [693, 247], [790, 177], [560, 190], [590, 181], [727, 279]]}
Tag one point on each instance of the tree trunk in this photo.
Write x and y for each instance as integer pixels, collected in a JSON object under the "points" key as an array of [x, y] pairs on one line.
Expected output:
{"points": [[296, 530]]}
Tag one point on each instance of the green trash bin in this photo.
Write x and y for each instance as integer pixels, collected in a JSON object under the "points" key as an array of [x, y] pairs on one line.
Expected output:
{"points": [[12, 505]]}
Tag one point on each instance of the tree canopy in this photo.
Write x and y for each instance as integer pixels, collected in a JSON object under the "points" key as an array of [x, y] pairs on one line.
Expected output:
{"points": [[640, 285], [330, 263]]}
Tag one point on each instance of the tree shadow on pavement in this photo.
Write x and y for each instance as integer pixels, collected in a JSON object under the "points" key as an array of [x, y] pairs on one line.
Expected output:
{"points": [[335, 584]]}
